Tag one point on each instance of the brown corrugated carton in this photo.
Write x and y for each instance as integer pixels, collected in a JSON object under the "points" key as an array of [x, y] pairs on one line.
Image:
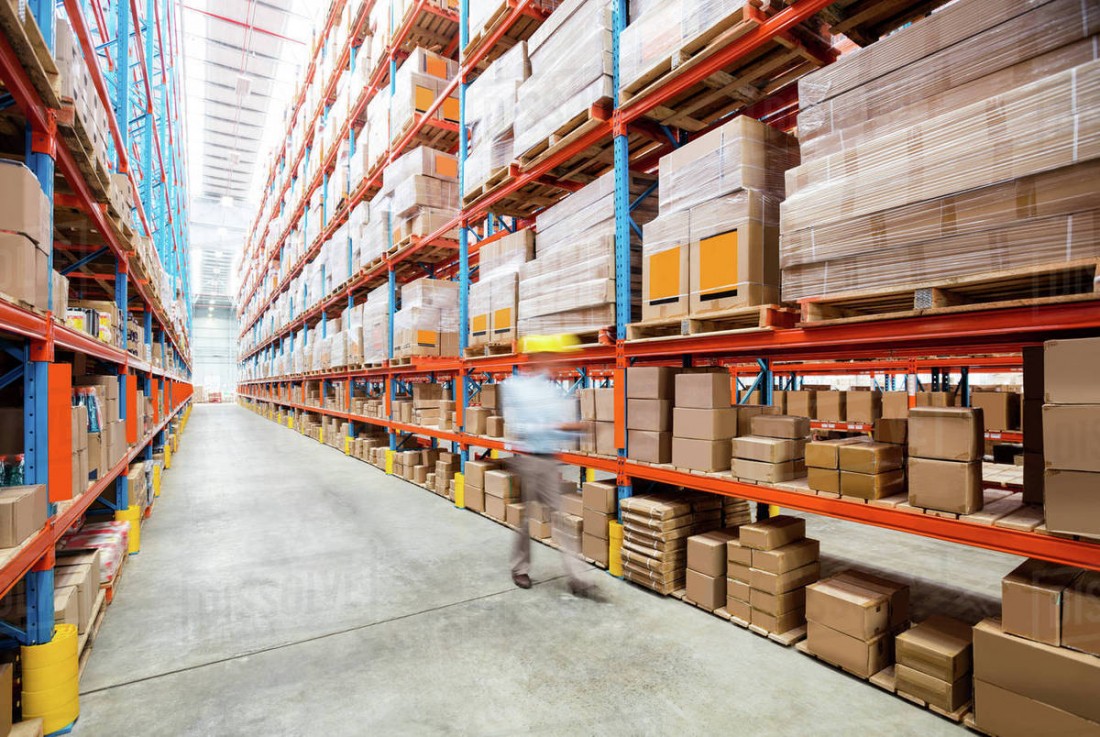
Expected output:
{"points": [[739, 590], [1063, 678], [738, 609], [780, 583], [826, 453], [859, 603], [778, 623], [768, 473], [892, 430], [864, 658], [476, 418], [863, 406], [513, 513], [1031, 600], [588, 404], [1068, 371], [599, 496], [595, 523], [704, 424], [786, 557], [869, 457], [1069, 502], [650, 447], [701, 455], [594, 547], [739, 554], [739, 572], [946, 695], [708, 592], [1000, 409], [605, 438], [802, 403], [832, 406], [502, 484], [946, 486], [1001, 712], [768, 450], [650, 382], [793, 600], [745, 413], [823, 479], [946, 433], [780, 426], [572, 503], [704, 390], [872, 486], [605, 405], [494, 506], [706, 553], [1081, 613], [940, 647], [22, 513], [772, 533], [1070, 436], [649, 414]]}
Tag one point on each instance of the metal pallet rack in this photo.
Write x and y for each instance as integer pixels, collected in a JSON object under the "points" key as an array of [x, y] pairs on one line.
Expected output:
{"points": [[131, 55], [898, 348]]}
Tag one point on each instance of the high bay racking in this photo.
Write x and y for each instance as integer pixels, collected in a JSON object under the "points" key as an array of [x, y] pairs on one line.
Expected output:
{"points": [[948, 344], [132, 52]]}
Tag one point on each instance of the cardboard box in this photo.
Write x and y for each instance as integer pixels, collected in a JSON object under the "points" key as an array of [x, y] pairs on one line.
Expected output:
{"points": [[595, 548], [870, 458], [1069, 501], [745, 413], [588, 404], [649, 414], [768, 473], [946, 695], [1071, 436], [858, 604], [1068, 371], [513, 513], [489, 396], [1063, 678], [939, 646], [739, 590], [494, 426], [826, 453], [701, 455], [864, 407], [704, 424], [1001, 712], [778, 623], [540, 530], [892, 430], [935, 399], [605, 438], [595, 523], [946, 433], [768, 450], [823, 479], [605, 405], [80, 577], [737, 553], [22, 513], [1081, 613], [476, 418], [793, 600], [780, 426], [704, 390], [739, 609], [802, 403], [740, 572], [502, 484], [772, 533], [66, 607], [947, 486], [25, 209], [872, 486], [832, 406], [572, 503], [787, 557], [650, 447], [1031, 600], [895, 405], [494, 507], [779, 583], [708, 592], [474, 498], [1000, 410], [863, 658], [650, 382], [706, 553], [599, 496]]}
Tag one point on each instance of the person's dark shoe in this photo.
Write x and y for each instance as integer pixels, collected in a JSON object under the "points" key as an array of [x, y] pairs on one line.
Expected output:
{"points": [[522, 580]]}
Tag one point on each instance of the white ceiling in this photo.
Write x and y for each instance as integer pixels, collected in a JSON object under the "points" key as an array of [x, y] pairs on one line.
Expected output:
{"points": [[242, 60]]}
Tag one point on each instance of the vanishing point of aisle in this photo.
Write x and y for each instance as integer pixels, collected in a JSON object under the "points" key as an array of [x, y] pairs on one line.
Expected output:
{"points": [[285, 589]]}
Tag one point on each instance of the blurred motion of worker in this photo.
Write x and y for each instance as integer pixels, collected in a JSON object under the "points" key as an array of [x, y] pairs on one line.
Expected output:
{"points": [[542, 421]]}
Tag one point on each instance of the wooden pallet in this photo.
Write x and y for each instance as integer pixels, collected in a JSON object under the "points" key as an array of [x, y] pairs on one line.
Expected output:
{"points": [[71, 128], [436, 133], [87, 640], [434, 28], [1029, 286], [522, 28], [746, 80], [491, 183], [26, 40], [490, 349], [738, 319], [887, 681]]}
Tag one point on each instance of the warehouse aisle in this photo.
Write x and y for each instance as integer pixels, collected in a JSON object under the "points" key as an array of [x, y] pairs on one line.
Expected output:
{"points": [[286, 589]]}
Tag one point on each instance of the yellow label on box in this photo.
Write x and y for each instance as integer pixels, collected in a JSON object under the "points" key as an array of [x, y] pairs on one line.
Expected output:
{"points": [[479, 324], [446, 166], [427, 338], [450, 109], [502, 320], [423, 98], [718, 265], [436, 67], [664, 275]]}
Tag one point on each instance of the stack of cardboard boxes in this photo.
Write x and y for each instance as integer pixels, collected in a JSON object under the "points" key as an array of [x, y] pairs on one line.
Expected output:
{"points": [[871, 470], [81, 574], [650, 393], [1037, 670], [567, 524], [598, 499], [474, 483], [655, 532], [852, 619], [426, 324], [782, 561], [598, 412], [25, 237], [494, 298], [446, 466], [775, 451], [705, 581], [946, 445], [1071, 416], [823, 464], [934, 662], [22, 513], [703, 422], [501, 489], [490, 117]]}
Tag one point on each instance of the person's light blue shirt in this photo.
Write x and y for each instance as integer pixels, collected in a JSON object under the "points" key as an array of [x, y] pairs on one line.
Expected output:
{"points": [[535, 408]]}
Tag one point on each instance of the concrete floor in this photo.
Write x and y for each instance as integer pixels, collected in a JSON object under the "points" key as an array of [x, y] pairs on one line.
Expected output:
{"points": [[285, 589]]}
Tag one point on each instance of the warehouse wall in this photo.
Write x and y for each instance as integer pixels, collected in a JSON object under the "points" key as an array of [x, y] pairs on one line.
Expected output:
{"points": [[215, 345]]}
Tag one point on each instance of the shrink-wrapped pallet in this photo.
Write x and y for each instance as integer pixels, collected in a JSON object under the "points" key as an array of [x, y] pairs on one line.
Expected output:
{"points": [[490, 117], [419, 81], [376, 325]]}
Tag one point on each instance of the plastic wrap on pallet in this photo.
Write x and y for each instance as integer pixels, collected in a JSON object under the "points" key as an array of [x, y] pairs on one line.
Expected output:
{"points": [[419, 191], [506, 254], [571, 68], [583, 320], [485, 159], [666, 242], [425, 292], [743, 154], [338, 350], [422, 223], [422, 161], [480, 310], [589, 213], [376, 325], [418, 82], [1045, 125], [491, 98], [378, 130], [954, 57]]}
